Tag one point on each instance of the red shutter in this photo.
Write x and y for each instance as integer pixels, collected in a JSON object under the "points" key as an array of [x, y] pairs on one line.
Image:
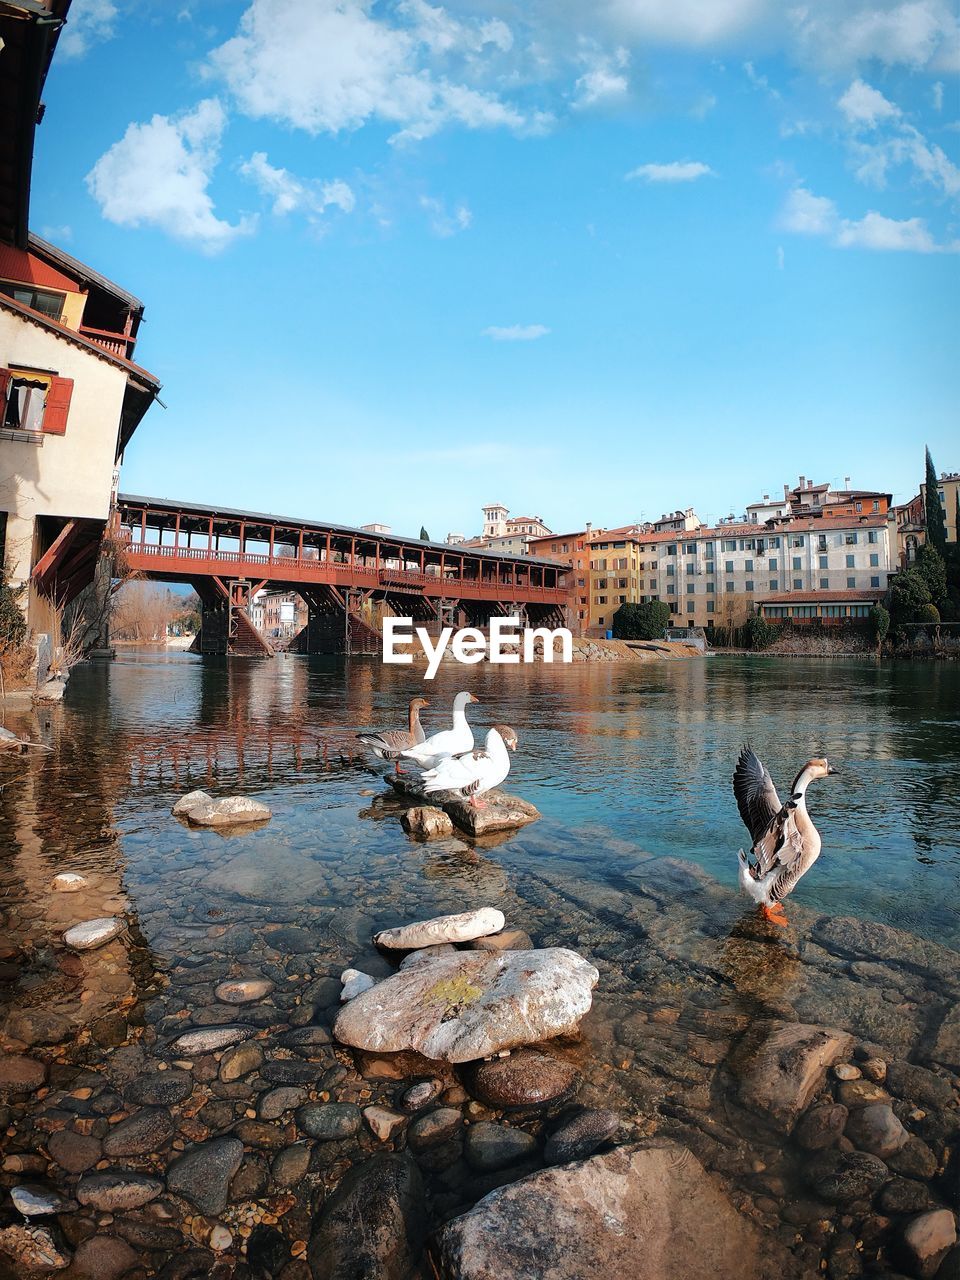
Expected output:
{"points": [[4, 384], [57, 406]]}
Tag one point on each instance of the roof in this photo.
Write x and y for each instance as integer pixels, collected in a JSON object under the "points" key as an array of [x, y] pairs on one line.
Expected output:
{"points": [[297, 522], [867, 595], [28, 30], [78, 339], [80, 269]]}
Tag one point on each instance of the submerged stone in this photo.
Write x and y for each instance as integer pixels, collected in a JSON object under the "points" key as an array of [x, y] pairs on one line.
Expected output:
{"points": [[243, 990], [524, 1079], [462, 927], [111, 1189], [472, 1004], [355, 983], [69, 882], [782, 1065], [203, 1175], [34, 1201], [579, 1135], [229, 811], [94, 933], [33, 1248], [210, 1039]]}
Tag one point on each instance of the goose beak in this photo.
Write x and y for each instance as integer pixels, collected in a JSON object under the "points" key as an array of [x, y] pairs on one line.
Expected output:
{"points": [[831, 769], [473, 699]]}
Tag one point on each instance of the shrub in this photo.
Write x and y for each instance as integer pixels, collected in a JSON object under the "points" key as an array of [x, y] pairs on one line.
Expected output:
{"points": [[930, 613], [641, 621], [13, 627], [761, 633], [909, 595], [931, 567]]}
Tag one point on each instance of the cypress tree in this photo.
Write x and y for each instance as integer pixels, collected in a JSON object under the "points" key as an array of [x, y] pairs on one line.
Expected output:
{"points": [[936, 524]]}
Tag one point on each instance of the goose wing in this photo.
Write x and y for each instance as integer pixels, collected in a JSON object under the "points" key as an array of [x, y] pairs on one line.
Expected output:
{"points": [[756, 795], [457, 773], [391, 741], [780, 845]]}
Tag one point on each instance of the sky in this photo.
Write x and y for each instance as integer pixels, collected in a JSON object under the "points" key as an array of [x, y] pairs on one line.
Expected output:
{"points": [[595, 261]]}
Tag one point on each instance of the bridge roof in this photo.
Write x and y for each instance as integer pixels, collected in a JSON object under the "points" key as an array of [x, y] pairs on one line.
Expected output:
{"points": [[323, 526]]}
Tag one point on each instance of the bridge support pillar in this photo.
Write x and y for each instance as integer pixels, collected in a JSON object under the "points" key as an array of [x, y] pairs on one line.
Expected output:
{"points": [[225, 626], [335, 623]]}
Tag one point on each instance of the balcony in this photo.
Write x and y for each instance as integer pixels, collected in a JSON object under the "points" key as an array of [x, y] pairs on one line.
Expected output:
{"points": [[118, 344]]}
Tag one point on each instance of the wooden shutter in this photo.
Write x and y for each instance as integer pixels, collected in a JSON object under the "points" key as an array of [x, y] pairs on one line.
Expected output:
{"points": [[4, 387], [57, 406]]}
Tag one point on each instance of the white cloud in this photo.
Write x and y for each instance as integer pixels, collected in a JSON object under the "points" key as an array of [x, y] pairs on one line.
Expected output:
{"points": [[333, 65], [604, 81], [686, 22], [674, 171], [865, 106], [291, 194], [808, 214], [442, 222], [761, 82], [89, 22], [936, 96], [844, 33], [515, 332], [158, 174]]}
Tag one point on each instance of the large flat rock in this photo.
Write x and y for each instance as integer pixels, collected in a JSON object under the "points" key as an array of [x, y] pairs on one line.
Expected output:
{"points": [[781, 1065], [649, 1212], [471, 1004], [274, 875], [501, 812]]}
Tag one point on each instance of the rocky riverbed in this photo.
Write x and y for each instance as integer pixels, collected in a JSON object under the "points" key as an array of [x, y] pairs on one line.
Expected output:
{"points": [[175, 1103]]}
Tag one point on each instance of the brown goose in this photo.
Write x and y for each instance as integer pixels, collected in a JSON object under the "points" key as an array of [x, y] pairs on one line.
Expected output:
{"points": [[786, 844], [390, 744]]}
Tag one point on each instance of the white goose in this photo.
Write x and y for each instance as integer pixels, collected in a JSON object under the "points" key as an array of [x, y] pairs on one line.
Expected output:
{"points": [[475, 772], [450, 742], [786, 844]]}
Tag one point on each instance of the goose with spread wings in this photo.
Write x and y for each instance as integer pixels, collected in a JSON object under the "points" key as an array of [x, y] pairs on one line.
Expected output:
{"points": [[475, 772], [786, 844]]}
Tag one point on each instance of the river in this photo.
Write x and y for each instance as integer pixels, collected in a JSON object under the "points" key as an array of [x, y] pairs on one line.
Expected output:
{"points": [[633, 862]]}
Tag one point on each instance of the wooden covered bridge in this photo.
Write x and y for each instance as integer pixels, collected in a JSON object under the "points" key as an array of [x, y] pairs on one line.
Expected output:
{"points": [[228, 556]]}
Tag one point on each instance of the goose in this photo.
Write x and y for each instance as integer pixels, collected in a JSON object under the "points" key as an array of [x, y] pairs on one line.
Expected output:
{"points": [[786, 844], [450, 742], [475, 772], [389, 744]]}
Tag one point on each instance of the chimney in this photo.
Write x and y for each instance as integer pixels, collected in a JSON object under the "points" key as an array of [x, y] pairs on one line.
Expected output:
{"points": [[786, 493], [589, 526], [766, 497], [803, 482]]}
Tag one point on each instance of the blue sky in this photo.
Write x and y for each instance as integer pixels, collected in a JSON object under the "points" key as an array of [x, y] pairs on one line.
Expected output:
{"points": [[594, 261]]}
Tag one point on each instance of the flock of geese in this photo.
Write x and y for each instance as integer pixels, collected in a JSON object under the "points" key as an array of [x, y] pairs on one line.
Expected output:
{"points": [[784, 842], [448, 760]]}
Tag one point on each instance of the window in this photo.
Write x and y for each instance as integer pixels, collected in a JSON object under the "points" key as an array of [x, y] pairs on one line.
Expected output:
{"points": [[858, 506], [601, 600], [708, 550], [872, 535], [729, 586], [774, 584], [728, 544], [775, 542], [748, 566], [796, 542], [851, 560], [875, 581], [710, 567], [34, 401], [823, 561], [772, 563], [671, 589], [797, 562], [621, 583], [690, 566], [710, 606], [42, 300], [690, 606], [729, 566], [850, 539], [653, 584], [691, 548], [601, 584], [876, 504], [672, 549], [822, 542], [749, 584], [671, 570], [874, 560], [710, 588], [824, 584], [851, 582], [798, 584], [691, 588], [622, 599]]}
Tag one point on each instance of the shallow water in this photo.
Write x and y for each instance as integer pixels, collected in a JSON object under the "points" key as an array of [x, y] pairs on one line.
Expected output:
{"points": [[633, 863]]}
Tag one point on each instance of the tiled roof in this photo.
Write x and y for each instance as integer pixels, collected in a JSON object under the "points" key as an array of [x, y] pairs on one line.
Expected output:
{"points": [[868, 594]]}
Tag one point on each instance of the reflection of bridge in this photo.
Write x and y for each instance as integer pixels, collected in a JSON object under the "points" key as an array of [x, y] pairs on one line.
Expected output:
{"points": [[227, 556]]}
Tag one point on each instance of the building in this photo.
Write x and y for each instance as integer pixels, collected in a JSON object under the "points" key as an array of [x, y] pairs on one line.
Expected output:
{"points": [[948, 487], [503, 532], [820, 501], [821, 608], [71, 395], [572, 549], [678, 522], [284, 614], [376, 528]]}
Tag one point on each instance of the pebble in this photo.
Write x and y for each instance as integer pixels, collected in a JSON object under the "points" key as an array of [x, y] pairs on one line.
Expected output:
{"points": [[840, 1177], [490, 1146], [860, 1093], [34, 1201], [111, 1189], [243, 990], [203, 1175], [159, 1088], [69, 882], [876, 1129], [240, 1060], [874, 1069], [433, 1128], [524, 1079], [273, 1104], [33, 1247], [847, 1071], [287, 1071], [303, 1040], [290, 1165], [329, 1121], [579, 1135], [383, 1122], [74, 1152], [821, 1126], [143, 1132], [927, 1239], [455, 928], [903, 1195], [220, 1239], [420, 1095], [354, 983], [210, 1039], [21, 1075], [94, 933]]}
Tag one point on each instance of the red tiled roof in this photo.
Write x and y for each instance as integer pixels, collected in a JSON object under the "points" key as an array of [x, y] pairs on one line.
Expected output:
{"points": [[823, 597]]}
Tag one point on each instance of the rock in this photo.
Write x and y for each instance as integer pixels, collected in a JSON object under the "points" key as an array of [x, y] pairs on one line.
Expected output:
{"points": [[68, 882], [103, 1257], [843, 1176], [425, 954], [524, 1079], [917, 1083], [39, 1026], [20, 1075], [267, 1252], [239, 1060], [781, 1066], [210, 1039], [220, 1239], [821, 1126], [648, 1212], [192, 800], [374, 1224], [159, 1088], [383, 1122], [433, 1128], [946, 1047], [33, 1248], [51, 691], [874, 1069], [117, 1189], [427, 822], [491, 1146], [304, 1040], [876, 1129], [286, 1071], [282, 877], [926, 1241], [143, 1132], [354, 983], [329, 1121], [903, 1195], [75, 1152], [914, 1159], [251, 1180], [455, 928], [94, 933], [578, 1135], [421, 1094], [290, 1166], [23, 1162], [847, 1071], [203, 1175], [466, 1006], [35, 1201], [272, 1105], [861, 1093], [506, 940], [229, 811], [243, 990]]}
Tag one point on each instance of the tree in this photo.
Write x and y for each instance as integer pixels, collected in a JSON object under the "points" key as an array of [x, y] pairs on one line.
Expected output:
{"points": [[909, 596], [930, 565], [935, 520], [879, 621], [641, 621], [424, 536], [762, 633]]}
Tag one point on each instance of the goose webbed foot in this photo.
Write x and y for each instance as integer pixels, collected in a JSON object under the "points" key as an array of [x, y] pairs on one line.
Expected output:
{"points": [[775, 914]]}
